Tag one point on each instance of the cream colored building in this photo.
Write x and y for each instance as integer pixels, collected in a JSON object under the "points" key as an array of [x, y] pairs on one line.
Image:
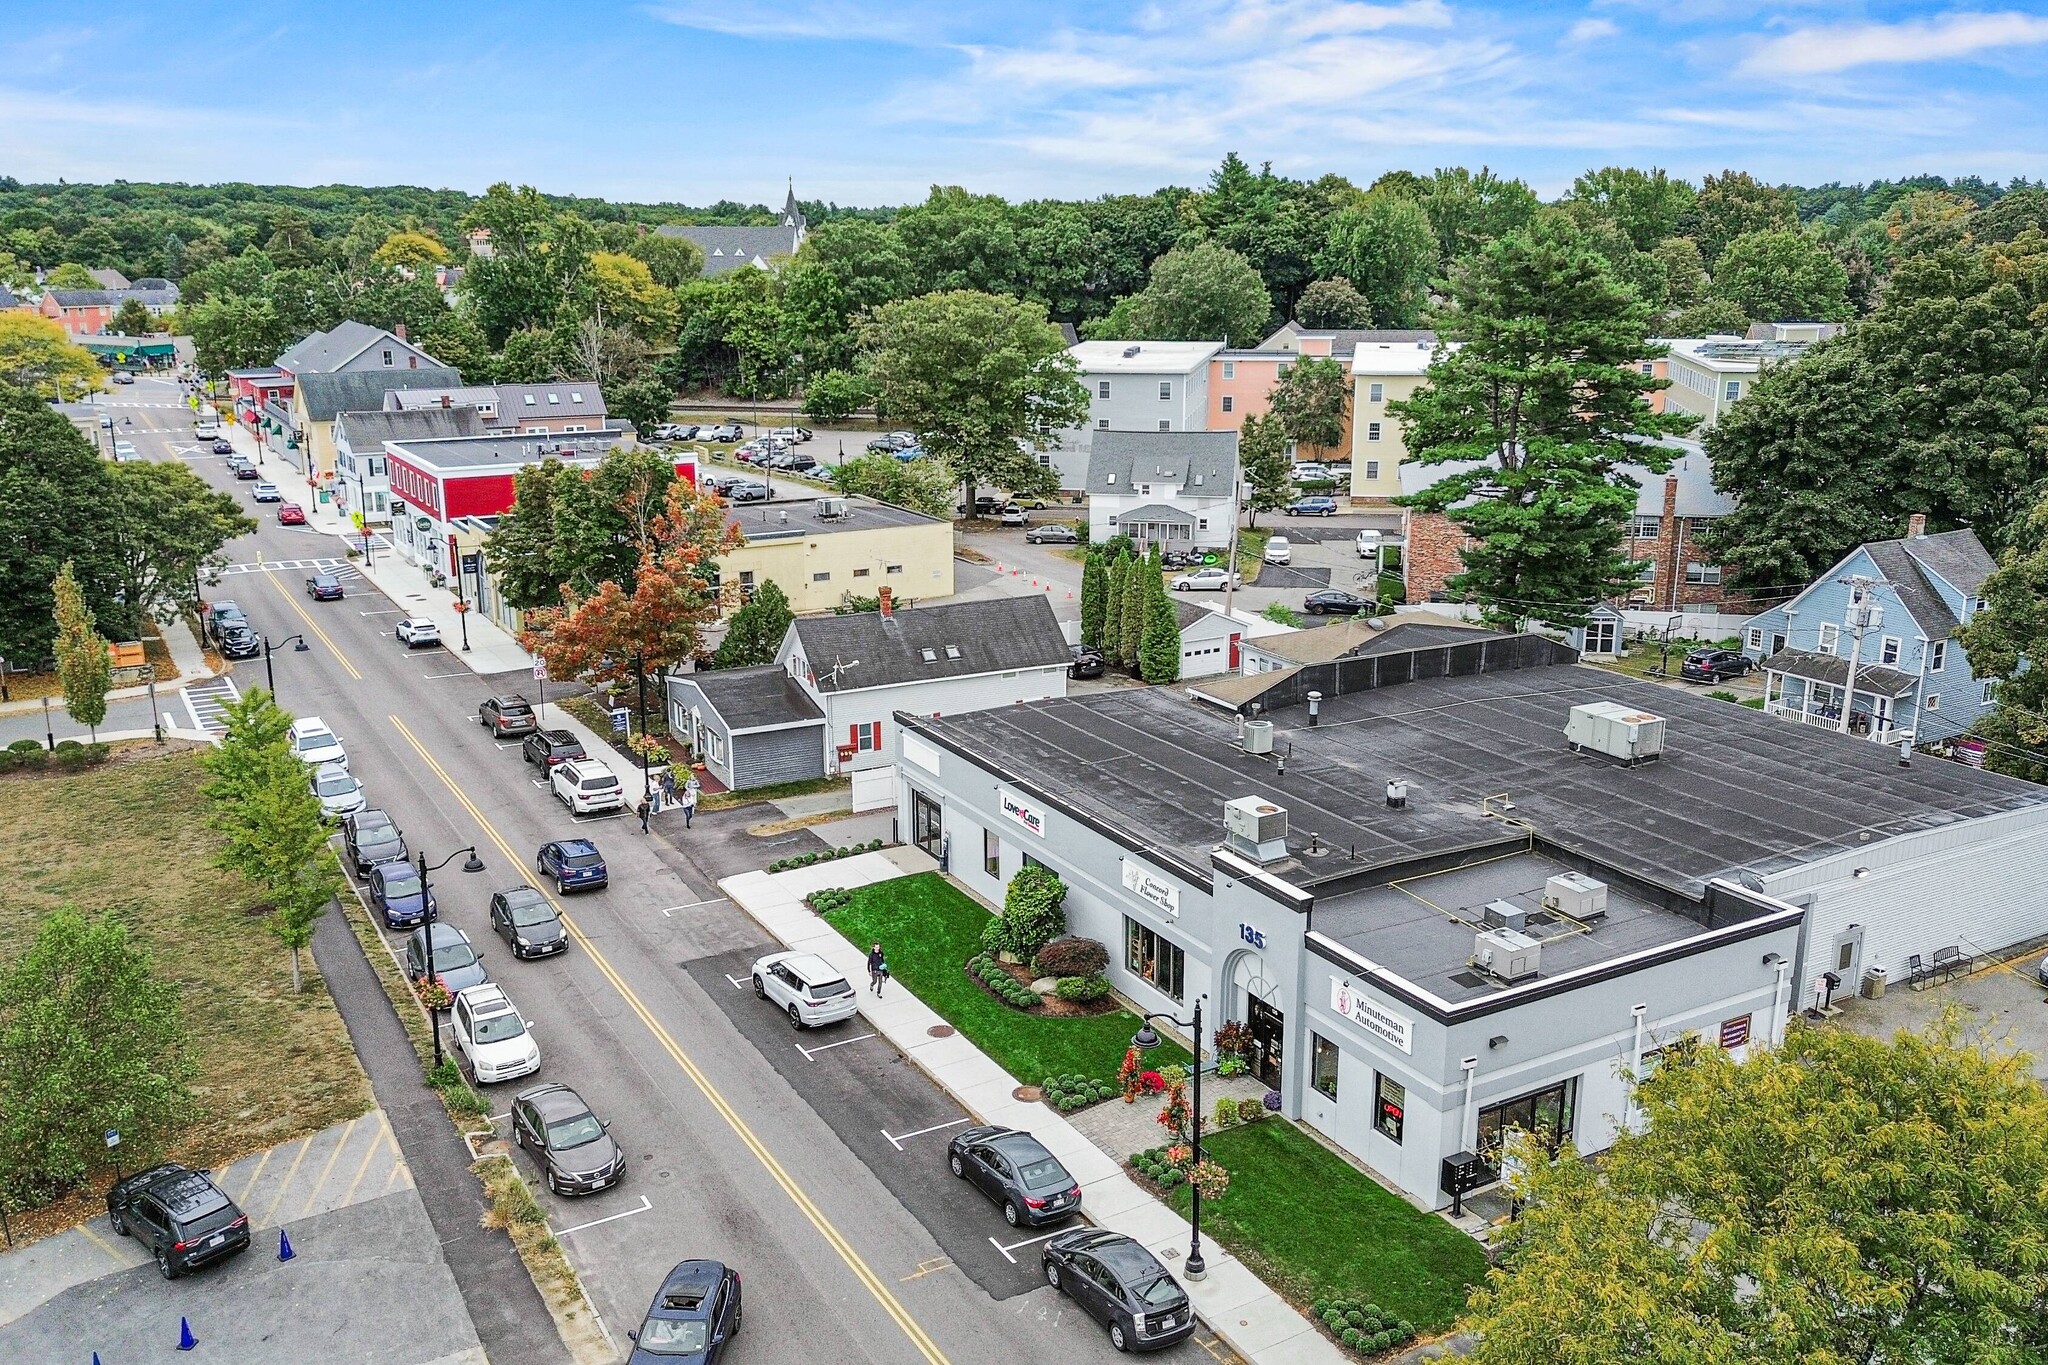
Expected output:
{"points": [[1382, 373], [821, 548]]}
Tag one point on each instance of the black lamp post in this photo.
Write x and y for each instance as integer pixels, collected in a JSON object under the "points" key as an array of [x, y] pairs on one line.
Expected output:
{"points": [[475, 864], [640, 675], [1145, 1040], [298, 644]]}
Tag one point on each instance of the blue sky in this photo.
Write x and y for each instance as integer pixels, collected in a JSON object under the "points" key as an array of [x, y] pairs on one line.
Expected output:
{"points": [[871, 101]]}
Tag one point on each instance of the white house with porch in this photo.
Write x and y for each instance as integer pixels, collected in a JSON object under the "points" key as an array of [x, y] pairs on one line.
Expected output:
{"points": [[1886, 614], [1174, 489]]}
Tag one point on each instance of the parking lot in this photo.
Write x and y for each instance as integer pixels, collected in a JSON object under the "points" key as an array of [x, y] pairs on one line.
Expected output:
{"points": [[2005, 999]]}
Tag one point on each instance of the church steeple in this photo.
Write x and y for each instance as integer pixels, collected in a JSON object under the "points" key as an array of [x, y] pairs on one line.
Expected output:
{"points": [[793, 216]]}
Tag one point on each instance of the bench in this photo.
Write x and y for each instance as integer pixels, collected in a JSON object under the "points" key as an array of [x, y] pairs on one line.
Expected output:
{"points": [[1950, 960]]}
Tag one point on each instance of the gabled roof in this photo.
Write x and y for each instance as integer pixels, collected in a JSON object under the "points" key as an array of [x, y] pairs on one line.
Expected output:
{"points": [[854, 653], [568, 398], [413, 399], [1957, 557], [324, 394], [109, 277], [1833, 669], [758, 698], [730, 248], [1119, 460], [369, 430], [1345, 340], [1157, 512], [1921, 598], [324, 352]]}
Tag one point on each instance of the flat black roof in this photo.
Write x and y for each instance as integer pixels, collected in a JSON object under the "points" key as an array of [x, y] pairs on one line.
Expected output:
{"points": [[1735, 789], [1424, 929], [786, 517]]}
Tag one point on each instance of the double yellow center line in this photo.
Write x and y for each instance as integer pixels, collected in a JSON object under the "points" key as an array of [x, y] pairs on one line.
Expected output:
{"points": [[292, 601], [890, 1303]]}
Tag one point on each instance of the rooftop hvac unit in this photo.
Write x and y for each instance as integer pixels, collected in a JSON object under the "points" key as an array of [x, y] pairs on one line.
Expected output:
{"points": [[1258, 736], [1506, 915], [831, 509], [1256, 828], [1576, 896], [1506, 954], [1615, 730]]}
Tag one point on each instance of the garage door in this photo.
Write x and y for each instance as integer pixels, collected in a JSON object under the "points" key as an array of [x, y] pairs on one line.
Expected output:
{"points": [[874, 788]]}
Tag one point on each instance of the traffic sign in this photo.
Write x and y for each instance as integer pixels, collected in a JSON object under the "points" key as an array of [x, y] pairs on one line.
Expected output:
{"points": [[540, 669]]}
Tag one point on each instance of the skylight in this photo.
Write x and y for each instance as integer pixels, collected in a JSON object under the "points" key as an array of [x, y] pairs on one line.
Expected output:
{"points": [[931, 656], [952, 651]]}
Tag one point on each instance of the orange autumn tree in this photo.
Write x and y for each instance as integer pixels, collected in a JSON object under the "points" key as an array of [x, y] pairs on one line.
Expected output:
{"points": [[674, 596]]}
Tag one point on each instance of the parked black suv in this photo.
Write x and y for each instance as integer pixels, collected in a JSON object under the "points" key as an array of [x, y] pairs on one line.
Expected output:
{"points": [[237, 641], [1088, 662], [184, 1219], [525, 919], [371, 837], [508, 715], [549, 747], [222, 614], [1715, 665]]}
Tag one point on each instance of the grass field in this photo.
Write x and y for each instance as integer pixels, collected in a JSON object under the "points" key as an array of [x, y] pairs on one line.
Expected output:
{"points": [[130, 839], [929, 928], [1351, 1238]]}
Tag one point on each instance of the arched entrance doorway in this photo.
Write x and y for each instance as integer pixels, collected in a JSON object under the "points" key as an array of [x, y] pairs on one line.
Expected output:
{"points": [[1257, 1002]]}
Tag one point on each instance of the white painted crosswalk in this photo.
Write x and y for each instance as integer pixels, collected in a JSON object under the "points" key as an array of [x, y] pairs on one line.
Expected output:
{"points": [[340, 568], [204, 702]]}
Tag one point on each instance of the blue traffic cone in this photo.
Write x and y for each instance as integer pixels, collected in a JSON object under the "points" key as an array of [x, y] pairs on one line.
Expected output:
{"points": [[186, 1341], [284, 1246]]}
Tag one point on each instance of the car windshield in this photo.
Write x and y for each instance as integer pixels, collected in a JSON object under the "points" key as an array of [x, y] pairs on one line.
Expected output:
{"points": [[591, 859], [315, 739], [401, 880], [1159, 1292], [448, 956], [673, 1336], [377, 836], [1037, 1175], [525, 913], [574, 1132], [499, 1027], [335, 784]]}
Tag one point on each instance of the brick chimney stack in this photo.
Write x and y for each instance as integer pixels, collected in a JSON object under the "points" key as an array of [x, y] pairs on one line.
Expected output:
{"points": [[399, 331], [1916, 526], [887, 599]]}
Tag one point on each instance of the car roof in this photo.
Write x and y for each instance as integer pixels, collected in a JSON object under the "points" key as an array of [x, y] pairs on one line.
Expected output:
{"points": [[1127, 1259], [324, 578], [555, 1100], [1020, 1144], [512, 699], [686, 1291], [306, 725], [186, 1192], [384, 872], [372, 818], [573, 846], [522, 894], [809, 966], [487, 997], [561, 737], [445, 935]]}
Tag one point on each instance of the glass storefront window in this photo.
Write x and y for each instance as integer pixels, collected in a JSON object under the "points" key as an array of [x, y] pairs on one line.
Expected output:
{"points": [[991, 853], [1389, 1106], [1322, 1064], [1547, 1113], [1154, 959]]}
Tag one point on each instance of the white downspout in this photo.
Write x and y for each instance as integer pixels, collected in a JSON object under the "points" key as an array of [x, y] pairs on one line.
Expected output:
{"points": [[1636, 1062], [1778, 1003], [1466, 1134]]}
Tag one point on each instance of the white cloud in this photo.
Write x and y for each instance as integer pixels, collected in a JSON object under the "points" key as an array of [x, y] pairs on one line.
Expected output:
{"points": [[824, 19], [1841, 47], [1592, 30]]}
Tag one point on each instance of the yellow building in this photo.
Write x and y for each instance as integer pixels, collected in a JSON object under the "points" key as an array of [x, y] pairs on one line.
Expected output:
{"points": [[1382, 373]]}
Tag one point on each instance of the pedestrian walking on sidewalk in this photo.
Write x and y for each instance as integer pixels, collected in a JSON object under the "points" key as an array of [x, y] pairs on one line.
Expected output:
{"points": [[689, 804], [878, 969], [668, 786], [645, 809]]}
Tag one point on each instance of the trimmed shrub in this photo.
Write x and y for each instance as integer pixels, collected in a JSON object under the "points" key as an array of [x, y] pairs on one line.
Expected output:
{"points": [[72, 760], [831, 898], [25, 746], [1031, 913], [1082, 989], [1011, 991], [1070, 957], [1351, 1338]]}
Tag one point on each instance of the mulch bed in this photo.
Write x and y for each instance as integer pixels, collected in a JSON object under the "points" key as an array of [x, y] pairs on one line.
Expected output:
{"points": [[1051, 1006]]}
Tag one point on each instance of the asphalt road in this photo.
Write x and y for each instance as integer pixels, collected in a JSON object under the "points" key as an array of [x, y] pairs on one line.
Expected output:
{"points": [[730, 1156]]}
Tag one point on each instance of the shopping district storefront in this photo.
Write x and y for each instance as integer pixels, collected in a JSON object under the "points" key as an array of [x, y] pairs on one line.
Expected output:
{"points": [[1367, 1009]]}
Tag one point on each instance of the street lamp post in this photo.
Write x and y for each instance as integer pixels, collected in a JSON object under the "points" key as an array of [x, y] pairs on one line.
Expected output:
{"points": [[640, 675], [156, 720], [270, 669], [1145, 1040], [475, 864]]}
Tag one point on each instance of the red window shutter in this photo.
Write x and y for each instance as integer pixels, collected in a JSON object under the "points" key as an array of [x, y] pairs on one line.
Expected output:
{"points": [[853, 735]]}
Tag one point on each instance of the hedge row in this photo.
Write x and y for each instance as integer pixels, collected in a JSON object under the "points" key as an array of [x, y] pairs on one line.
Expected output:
{"points": [[831, 898], [71, 756], [823, 855], [990, 973], [1152, 1162]]}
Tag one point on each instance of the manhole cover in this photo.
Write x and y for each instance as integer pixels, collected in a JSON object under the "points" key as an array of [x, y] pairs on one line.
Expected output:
{"points": [[1027, 1093], [940, 1030]]}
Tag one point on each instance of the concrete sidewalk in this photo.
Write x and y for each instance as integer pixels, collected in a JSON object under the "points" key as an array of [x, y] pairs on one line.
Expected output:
{"points": [[1251, 1318]]}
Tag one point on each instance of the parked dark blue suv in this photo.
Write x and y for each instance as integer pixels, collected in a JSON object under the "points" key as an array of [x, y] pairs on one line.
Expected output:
{"points": [[575, 864]]}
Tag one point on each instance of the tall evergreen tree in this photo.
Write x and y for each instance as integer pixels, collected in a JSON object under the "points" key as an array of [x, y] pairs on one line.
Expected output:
{"points": [[1540, 402], [1094, 604], [1113, 608], [1131, 624], [1159, 642]]}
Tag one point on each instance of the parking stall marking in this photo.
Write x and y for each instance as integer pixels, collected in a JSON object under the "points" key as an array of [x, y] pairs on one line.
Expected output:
{"points": [[812, 1052], [897, 1140], [313, 1195], [1019, 1246], [854, 1262], [645, 1207]]}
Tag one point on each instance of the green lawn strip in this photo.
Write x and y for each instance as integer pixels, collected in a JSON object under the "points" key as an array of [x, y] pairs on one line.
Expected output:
{"points": [[929, 928], [808, 786], [1312, 1226]]}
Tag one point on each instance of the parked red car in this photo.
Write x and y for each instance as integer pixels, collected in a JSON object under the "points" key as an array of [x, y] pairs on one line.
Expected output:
{"points": [[290, 514]]}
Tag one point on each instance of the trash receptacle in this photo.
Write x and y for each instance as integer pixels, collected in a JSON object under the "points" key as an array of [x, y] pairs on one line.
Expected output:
{"points": [[1873, 983]]}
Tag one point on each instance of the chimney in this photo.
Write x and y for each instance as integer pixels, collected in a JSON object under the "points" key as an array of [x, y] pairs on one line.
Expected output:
{"points": [[399, 331], [447, 400], [1916, 526], [887, 599]]}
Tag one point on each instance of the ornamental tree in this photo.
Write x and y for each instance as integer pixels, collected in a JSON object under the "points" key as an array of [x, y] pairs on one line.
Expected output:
{"points": [[83, 666]]}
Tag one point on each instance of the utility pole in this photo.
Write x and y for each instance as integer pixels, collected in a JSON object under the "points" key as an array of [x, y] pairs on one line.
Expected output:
{"points": [[1864, 615]]}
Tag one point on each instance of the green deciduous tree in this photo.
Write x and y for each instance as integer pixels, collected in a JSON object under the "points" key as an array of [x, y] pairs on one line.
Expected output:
{"points": [[2007, 639], [234, 331], [91, 1039], [756, 630], [55, 508], [37, 355], [1734, 204], [1648, 206], [575, 529], [836, 395], [955, 240], [1268, 472], [921, 485], [644, 402], [1708, 317], [1201, 292], [83, 666], [1333, 303], [983, 379], [1811, 455], [1310, 402], [621, 291], [673, 261], [131, 319], [1684, 271], [1468, 209], [1838, 1199], [1094, 598], [1542, 399], [71, 275], [414, 251], [170, 526], [1781, 277], [1386, 247]]}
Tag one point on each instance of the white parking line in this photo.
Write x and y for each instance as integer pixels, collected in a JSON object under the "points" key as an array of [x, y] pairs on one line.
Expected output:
{"points": [[812, 1052], [1019, 1246], [739, 983], [644, 1208], [897, 1140], [430, 677], [391, 611], [692, 905]]}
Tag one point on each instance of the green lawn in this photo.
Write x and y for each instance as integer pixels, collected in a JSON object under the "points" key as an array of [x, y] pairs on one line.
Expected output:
{"points": [[929, 928], [1313, 1227]]}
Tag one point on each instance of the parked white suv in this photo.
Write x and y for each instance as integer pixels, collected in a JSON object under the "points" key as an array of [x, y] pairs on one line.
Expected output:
{"points": [[811, 990], [314, 743], [1279, 550], [586, 786], [490, 1032]]}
